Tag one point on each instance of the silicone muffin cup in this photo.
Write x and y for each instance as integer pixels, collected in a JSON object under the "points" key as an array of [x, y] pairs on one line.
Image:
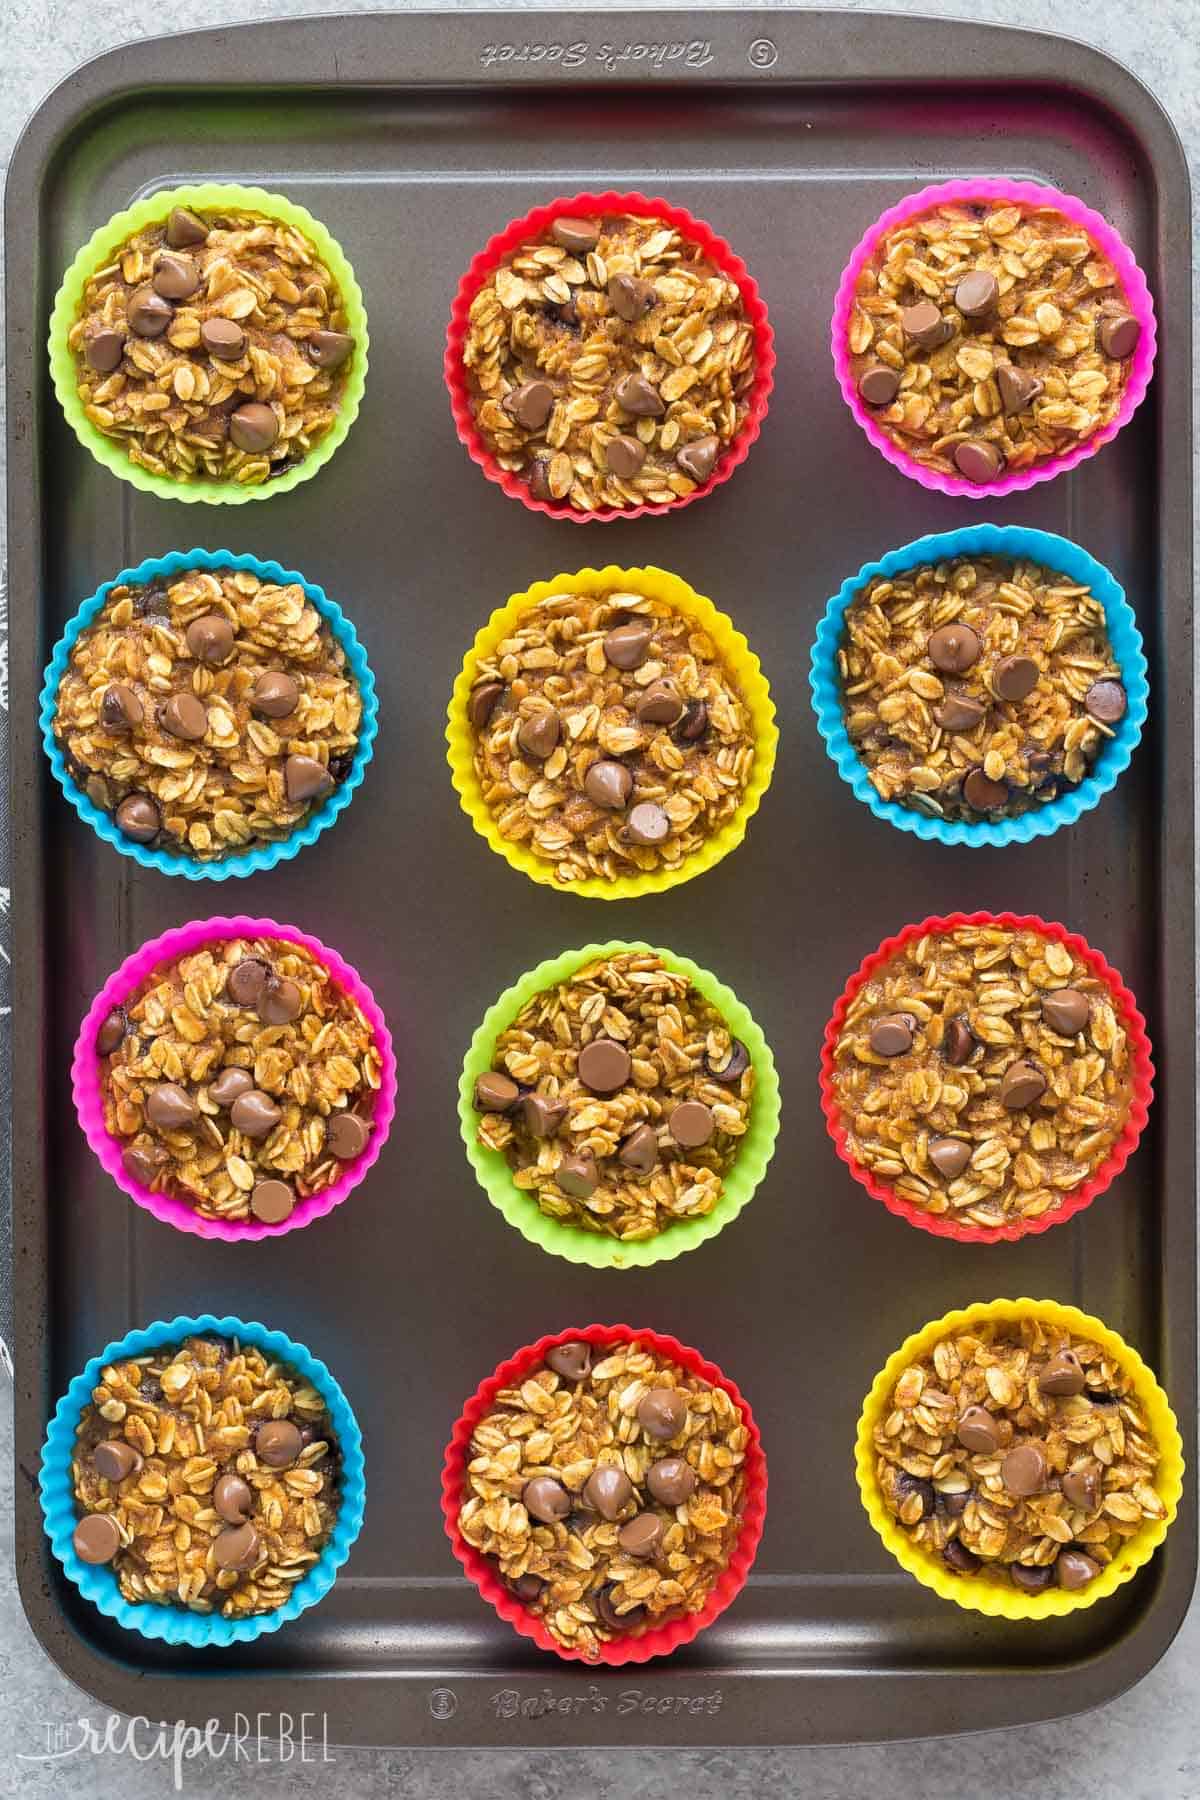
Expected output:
{"points": [[734, 652], [98, 1583], [89, 1100], [208, 196], [592, 206], [1017, 541], [599, 1251], [993, 1598], [1141, 1081], [659, 1640], [1027, 193], [263, 856]]}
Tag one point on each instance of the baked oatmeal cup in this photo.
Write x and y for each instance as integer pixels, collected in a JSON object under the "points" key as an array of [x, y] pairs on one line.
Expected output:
{"points": [[235, 1077], [1019, 1458], [210, 344], [202, 1481], [605, 1490], [985, 1076], [608, 356], [611, 733], [982, 686], [619, 1105], [990, 334], [209, 714]]}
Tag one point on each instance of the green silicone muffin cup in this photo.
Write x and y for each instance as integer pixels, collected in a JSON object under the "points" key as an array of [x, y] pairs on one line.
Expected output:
{"points": [[569, 1241], [207, 196]]}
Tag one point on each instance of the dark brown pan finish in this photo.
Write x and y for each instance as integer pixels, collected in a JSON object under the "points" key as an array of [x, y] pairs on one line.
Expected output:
{"points": [[414, 137]]}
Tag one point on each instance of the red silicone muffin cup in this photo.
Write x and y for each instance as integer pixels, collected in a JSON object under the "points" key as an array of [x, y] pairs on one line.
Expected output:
{"points": [[89, 1099], [1141, 1081], [660, 1640], [591, 205], [1028, 193]]}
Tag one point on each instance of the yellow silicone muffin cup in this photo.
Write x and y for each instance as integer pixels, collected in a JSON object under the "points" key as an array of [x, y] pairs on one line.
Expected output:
{"points": [[206, 196], [732, 648], [991, 1597]]}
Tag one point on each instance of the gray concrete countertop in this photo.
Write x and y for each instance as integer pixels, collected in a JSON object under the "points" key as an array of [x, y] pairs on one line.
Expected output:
{"points": [[1145, 1746]]}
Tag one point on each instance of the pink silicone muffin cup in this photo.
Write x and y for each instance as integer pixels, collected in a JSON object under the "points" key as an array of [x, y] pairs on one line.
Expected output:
{"points": [[1029, 193], [89, 1103], [590, 206]]}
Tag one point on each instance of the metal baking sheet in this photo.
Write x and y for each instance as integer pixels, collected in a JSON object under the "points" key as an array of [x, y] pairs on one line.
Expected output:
{"points": [[414, 137]]}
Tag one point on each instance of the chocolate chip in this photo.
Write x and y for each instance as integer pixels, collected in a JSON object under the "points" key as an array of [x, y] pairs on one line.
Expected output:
{"points": [[277, 1443], [104, 350], [660, 704], [1081, 1488], [978, 459], [563, 312], [495, 1092], [608, 1490], [481, 703], [879, 386], [641, 1537], [639, 1151], [576, 1174], [232, 1498], [306, 779], [639, 397], [1034, 1578], [978, 1432], [1022, 1086], [1066, 1011], [545, 1499], [542, 1117], [224, 339], [630, 297], [572, 1360], [112, 1031], [184, 229], [253, 427], [170, 1107], [184, 717], [924, 325], [175, 277], [148, 313], [672, 1481], [1024, 1468], [247, 980], [953, 1505], [604, 1601], [893, 1035], [959, 712], [954, 649], [625, 457], [982, 793], [152, 601], [608, 784], [625, 646], [1062, 1374], [329, 349], [956, 1556], [539, 478], [1106, 701], [1074, 1570], [691, 1124], [275, 694], [279, 1001], [647, 824], [603, 1065], [662, 1413], [210, 638], [907, 1485], [949, 1156], [577, 235], [137, 816], [976, 294], [115, 1459], [272, 1201], [142, 1164], [959, 1043], [1014, 677], [1018, 388], [1120, 335], [254, 1114], [527, 1587], [694, 723], [97, 1538], [530, 404], [239, 1548], [539, 733], [347, 1135], [230, 1084], [699, 458]]}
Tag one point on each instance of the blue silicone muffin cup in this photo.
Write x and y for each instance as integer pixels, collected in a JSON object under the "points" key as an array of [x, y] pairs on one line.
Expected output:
{"points": [[1052, 552], [98, 1583], [264, 856]]}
